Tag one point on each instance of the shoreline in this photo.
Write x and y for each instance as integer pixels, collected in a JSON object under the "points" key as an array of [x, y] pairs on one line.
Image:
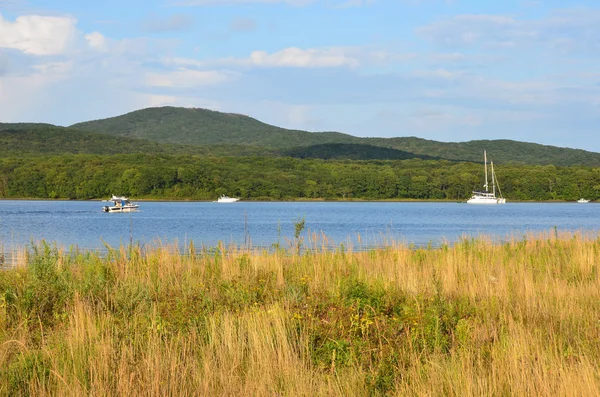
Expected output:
{"points": [[12, 255], [171, 200]]}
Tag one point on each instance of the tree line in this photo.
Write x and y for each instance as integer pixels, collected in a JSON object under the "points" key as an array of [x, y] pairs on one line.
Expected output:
{"points": [[280, 178]]}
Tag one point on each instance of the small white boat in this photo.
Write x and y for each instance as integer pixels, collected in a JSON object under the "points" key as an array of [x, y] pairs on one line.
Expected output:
{"points": [[120, 204], [487, 197], [583, 201], [227, 199]]}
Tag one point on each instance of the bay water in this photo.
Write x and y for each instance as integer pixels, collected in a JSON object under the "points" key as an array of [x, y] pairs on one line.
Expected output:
{"points": [[362, 224]]}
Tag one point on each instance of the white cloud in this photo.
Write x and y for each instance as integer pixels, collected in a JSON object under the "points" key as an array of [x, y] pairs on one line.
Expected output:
{"points": [[4, 64], [293, 57], [183, 62], [96, 40], [289, 57], [564, 30], [22, 94], [54, 70], [37, 35], [296, 57], [186, 78]]}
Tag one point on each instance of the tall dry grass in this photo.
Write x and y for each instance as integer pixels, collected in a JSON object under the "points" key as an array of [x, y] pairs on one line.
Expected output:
{"points": [[475, 318]]}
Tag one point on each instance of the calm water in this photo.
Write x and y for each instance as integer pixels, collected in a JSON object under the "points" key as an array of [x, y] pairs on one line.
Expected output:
{"points": [[82, 223]]}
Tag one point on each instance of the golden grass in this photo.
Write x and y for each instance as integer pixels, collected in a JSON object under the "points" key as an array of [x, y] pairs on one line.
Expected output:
{"points": [[476, 318]]}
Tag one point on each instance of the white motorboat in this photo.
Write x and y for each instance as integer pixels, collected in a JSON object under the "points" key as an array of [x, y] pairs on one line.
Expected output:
{"points": [[487, 197], [583, 201], [227, 199], [120, 204]]}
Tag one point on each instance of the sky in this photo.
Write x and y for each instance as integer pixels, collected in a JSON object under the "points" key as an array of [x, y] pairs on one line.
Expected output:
{"points": [[447, 70]]}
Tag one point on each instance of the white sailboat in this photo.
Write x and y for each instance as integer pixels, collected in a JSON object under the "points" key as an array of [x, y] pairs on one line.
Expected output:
{"points": [[487, 197]]}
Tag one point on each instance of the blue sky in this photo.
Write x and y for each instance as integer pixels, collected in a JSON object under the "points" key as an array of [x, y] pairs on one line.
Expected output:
{"points": [[448, 70]]}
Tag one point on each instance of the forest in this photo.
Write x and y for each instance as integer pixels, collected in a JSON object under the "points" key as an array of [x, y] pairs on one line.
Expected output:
{"points": [[196, 177]]}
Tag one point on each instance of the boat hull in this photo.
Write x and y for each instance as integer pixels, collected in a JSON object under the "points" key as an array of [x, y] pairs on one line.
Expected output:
{"points": [[127, 208], [225, 199], [486, 200]]}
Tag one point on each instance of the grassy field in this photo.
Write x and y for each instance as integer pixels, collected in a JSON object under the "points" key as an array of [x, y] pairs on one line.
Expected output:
{"points": [[520, 318]]}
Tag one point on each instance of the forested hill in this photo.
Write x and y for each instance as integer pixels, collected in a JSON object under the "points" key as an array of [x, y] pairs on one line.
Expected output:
{"points": [[24, 126], [32, 139], [501, 151], [207, 127], [203, 127], [43, 139]]}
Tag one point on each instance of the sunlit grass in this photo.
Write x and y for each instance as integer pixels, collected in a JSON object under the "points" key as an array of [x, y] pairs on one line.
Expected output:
{"points": [[474, 318]]}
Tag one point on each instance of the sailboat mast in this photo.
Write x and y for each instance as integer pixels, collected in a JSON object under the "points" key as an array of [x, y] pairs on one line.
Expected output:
{"points": [[485, 166], [493, 179]]}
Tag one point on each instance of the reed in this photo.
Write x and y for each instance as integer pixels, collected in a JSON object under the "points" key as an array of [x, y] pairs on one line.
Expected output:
{"points": [[478, 317]]}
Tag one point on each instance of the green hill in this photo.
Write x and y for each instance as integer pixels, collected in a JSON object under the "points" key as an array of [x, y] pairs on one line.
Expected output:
{"points": [[206, 127], [31, 139], [500, 151], [171, 130], [24, 126], [45, 139]]}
